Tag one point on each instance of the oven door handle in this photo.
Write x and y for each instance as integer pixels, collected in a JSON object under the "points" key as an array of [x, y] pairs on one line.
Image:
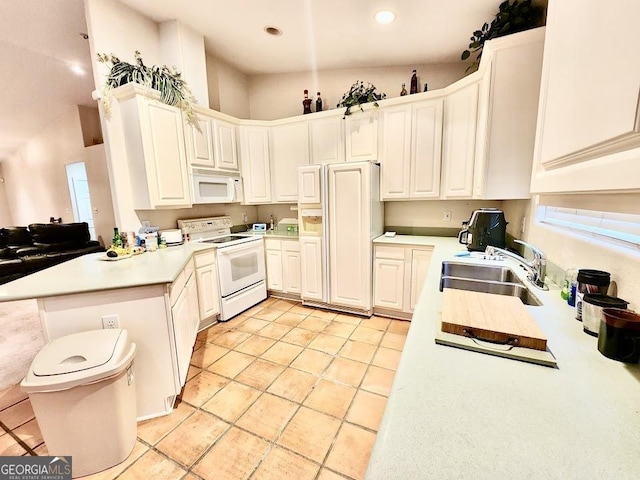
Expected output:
{"points": [[239, 248]]}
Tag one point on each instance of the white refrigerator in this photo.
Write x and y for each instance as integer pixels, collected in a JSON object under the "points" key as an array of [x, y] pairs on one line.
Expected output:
{"points": [[340, 213]]}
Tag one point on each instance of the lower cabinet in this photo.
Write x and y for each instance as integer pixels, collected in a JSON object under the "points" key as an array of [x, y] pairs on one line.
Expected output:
{"points": [[183, 294], [208, 291], [283, 265], [398, 274]]}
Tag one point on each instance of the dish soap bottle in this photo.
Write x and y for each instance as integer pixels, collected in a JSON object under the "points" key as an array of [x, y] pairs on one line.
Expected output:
{"points": [[271, 222], [116, 241]]}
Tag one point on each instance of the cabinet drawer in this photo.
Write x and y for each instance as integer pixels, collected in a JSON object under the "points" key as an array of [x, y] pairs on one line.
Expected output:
{"points": [[395, 253], [272, 244], [205, 258], [290, 245]]}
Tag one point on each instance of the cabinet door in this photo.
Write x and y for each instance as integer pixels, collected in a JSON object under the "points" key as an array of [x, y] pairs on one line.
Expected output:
{"points": [[420, 260], [208, 294], [588, 130], [327, 140], [166, 166], [226, 147], [426, 149], [289, 150], [459, 131], [350, 251], [200, 143], [361, 133], [182, 333], [388, 282], [274, 270], [311, 281], [309, 184], [396, 153], [291, 266], [254, 155]]}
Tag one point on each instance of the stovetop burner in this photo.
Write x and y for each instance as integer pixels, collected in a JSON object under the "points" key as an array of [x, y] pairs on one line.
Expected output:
{"points": [[228, 238]]}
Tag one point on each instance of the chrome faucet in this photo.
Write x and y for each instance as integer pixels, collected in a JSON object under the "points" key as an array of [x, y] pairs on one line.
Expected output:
{"points": [[537, 267]]}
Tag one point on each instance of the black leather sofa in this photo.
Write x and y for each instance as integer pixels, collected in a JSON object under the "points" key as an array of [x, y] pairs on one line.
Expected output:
{"points": [[24, 250]]}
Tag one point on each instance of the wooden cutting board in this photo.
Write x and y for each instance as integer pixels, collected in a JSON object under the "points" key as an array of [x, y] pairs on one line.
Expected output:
{"points": [[489, 317]]}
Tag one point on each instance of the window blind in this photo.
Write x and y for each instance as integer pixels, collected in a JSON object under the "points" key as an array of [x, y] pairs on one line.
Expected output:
{"points": [[622, 227]]}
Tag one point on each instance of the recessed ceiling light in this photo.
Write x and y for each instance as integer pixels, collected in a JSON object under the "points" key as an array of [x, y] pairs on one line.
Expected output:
{"points": [[275, 31], [385, 16], [77, 69]]}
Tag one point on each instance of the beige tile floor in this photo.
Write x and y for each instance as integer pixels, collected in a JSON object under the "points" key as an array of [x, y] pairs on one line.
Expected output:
{"points": [[280, 392]]}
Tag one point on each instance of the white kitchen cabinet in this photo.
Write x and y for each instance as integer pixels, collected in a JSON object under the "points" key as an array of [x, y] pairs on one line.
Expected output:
{"points": [[588, 130], [283, 265], [156, 154], [459, 141], [184, 312], [509, 92], [309, 185], [208, 291], [327, 140], [411, 138], [199, 143], [388, 278], [254, 157], [226, 149], [398, 275], [291, 266], [289, 150], [311, 281], [361, 136]]}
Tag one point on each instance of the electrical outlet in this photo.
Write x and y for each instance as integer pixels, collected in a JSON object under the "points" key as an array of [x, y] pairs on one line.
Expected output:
{"points": [[244, 217], [95, 209], [523, 225], [111, 321], [446, 216]]}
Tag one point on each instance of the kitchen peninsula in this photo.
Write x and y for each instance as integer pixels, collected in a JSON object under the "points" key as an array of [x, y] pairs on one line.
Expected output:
{"points": [[151, 295]]}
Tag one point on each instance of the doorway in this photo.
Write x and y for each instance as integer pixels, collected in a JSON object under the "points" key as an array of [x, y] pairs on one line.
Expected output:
{"points": [[79, 193]]}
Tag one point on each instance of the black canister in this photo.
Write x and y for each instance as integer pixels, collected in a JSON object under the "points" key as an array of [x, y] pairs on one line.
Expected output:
{"points": [[590, 281]]}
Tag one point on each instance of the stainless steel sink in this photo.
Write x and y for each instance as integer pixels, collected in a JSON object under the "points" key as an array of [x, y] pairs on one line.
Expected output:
{"points": [[499, 280], [487, 286], [479, 272]]}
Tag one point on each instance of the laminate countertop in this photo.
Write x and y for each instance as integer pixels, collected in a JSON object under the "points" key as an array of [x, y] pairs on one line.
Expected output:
{"points": [[90, 273], [454, 413]]}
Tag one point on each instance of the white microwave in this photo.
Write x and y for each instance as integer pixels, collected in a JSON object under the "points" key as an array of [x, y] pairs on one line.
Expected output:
{"points": [[211, 187]]}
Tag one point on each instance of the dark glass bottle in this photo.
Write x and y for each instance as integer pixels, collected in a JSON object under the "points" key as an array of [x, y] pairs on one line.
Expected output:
{"points": [[318, 103], [116, 241], [306, 103], [403, 92], [414, 83]]}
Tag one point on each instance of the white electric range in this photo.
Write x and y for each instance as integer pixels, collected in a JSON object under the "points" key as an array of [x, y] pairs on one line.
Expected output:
{"points": [[240, 262]]}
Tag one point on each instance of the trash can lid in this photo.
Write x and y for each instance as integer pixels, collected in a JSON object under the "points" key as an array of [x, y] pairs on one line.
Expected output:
{"points": [[78, 359], [79, 351]]}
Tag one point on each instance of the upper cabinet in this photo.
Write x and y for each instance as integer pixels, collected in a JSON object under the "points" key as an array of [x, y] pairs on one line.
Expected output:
{"points": [[327, 140], [509, 92], [410, 146], [214, 145], [254, 156], [154, 139], [361, 136], [289, 150], [588, 131], [459, 143]]}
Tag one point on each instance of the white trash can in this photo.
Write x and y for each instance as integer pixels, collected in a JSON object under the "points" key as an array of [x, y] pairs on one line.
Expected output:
{"points": [[82, 389]]}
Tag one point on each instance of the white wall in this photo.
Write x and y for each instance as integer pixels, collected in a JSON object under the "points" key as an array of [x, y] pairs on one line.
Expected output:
{"points": [[228, 88], [169, 218], [276, 96], [5, 212]]}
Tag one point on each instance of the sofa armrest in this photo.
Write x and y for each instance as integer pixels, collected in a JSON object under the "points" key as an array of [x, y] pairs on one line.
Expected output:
{"points": [[24, 251]]}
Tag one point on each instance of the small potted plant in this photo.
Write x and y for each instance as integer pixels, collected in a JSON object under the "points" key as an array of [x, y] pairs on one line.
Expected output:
{"points": [[513, 16], [359, 94], [168, 81]]}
